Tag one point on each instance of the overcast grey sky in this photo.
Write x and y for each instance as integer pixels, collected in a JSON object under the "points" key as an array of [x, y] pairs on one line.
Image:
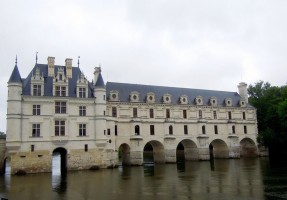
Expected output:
{"points": [[195, 44]]}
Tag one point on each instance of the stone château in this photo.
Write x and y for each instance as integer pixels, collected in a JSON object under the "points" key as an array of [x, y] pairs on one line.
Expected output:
{"points": [[56, 109]]}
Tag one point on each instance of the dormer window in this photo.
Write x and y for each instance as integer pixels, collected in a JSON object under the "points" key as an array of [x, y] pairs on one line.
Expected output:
{"points": [[242, 103], [166, 98], [37, 84], [82, 86], [150, 97], [60, 91], [213, 101], [60, 84], [114, 95], [183, 100], [228, 102], [134, 96], [199, 100]]}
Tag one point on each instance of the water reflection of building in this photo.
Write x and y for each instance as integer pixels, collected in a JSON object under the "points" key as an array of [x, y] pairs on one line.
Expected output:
{"points": [[56, 109]]}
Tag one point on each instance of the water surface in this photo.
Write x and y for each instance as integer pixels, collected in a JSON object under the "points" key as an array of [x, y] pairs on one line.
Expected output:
{"points": [[251, 178]]}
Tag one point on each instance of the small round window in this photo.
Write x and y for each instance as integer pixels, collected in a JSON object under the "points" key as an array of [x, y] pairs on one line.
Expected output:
{"points": [[213, 101], [114, 96], [167, 98], [135, 97], [242, 102], [150, 98], [183, 100], [199, 100], [228, 102]]}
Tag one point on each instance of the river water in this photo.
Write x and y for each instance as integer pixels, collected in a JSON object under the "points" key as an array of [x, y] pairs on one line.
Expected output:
{"points": [[251, 178]]}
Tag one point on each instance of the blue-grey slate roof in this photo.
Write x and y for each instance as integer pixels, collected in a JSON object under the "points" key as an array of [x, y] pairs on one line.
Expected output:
{"points": [[15, 76], [48, 81], [100, 81], [125, 90]]}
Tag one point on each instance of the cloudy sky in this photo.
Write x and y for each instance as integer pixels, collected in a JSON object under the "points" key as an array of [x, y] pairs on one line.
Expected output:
{"points": [[195, 44]]}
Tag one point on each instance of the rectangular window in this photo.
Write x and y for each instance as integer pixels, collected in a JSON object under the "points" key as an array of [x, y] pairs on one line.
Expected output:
{"points": [[135, 112], [114, 112], [203, 129], [243, 116], [60, 91], [215, 129], [151, 129], [86, 147], [35, 130], [184, 114], [229, 115], [200, 114], [82, 92], [214, 114], [109, 131], [60, 107], [116, 130], [185, 130], [36, 90], [59, 128], [36, 110], [233, 129], [167, 113], [82, 130], [245, 129], [82, 110], [32, 147], [151, 115]]}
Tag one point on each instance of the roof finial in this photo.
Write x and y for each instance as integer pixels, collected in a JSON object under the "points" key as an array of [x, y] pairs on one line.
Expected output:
{"points": [[16, 60], [36, 57], [78, 61]]}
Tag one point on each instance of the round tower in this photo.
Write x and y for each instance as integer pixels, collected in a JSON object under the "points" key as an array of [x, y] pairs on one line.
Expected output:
{"points": [[100, 109], [14, 109]]}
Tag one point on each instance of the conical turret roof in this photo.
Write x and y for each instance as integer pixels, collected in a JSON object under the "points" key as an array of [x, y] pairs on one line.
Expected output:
{"points": [[15, 76], [100, 81]]}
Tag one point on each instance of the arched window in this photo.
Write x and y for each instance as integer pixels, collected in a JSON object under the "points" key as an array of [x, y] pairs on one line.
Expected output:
{"points": [[137, 130], [203, 129], [170, 130]]}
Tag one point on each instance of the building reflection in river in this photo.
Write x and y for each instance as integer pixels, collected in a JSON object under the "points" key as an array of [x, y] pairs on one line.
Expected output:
{"points": [[240, 178]]}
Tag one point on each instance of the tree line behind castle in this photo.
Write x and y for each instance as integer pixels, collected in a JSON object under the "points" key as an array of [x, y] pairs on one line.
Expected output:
{"points": [[271, 104]]}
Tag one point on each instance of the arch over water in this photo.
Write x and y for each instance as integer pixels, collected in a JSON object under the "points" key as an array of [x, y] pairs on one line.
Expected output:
{"points": [[218, 149], [248, 148], [62, 153], [188, 148], [156, 149], [124, 154]]}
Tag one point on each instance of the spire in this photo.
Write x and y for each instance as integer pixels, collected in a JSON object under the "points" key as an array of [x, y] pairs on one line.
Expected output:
{"points": [[78, 61], [36, 57], [100, 81], [15, 76]]}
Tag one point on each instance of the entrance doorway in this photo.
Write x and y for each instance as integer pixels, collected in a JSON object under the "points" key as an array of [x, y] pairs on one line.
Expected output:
{"points": [[59, 161]]}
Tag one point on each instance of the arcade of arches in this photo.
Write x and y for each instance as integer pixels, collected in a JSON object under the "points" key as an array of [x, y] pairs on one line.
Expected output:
{"points": [[185, 149]]}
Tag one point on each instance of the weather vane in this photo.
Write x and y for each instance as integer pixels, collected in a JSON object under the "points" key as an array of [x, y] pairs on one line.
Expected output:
{"points": [[36, 57], [78, 61]]}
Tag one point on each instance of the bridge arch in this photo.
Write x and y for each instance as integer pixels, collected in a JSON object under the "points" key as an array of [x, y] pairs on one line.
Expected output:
{"points": [[248, 148], [218, 149], [62, 153], [156, 149], [188, 149], [124, 154]]}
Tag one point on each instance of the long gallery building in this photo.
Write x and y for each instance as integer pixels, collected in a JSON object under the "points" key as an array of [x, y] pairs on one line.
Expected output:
{"points": [[56, 109]]}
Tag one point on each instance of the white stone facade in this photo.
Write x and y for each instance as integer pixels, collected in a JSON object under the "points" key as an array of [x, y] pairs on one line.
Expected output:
{"points": [[56, 109]]}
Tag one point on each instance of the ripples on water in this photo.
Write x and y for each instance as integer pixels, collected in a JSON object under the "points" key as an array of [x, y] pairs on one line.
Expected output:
{"points": [[219, 179]]}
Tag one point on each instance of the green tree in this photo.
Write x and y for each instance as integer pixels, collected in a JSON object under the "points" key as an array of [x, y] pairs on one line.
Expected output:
{"points": [[271, 104]]}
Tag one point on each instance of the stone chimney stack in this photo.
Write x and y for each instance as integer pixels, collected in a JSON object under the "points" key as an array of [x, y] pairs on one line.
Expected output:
{"points": [[51, 65], [69, 67], [242, 89]]}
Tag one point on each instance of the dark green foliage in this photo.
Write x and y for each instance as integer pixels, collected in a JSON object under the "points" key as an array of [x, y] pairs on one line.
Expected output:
{"points": [[271, 104]]}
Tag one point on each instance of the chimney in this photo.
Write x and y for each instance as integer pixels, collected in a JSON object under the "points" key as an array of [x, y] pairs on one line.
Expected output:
{"points": [[69, 67], [242, 89], [51, 65]]}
